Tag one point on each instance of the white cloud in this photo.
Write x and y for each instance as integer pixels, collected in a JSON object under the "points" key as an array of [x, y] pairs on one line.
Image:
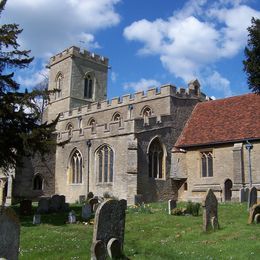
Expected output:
{"points": [[114, 76], [142, 84], [188, 45], [50, 26]]}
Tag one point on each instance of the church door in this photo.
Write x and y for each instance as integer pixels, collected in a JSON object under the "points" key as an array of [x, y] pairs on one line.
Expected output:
{"points": [[228, 192]]}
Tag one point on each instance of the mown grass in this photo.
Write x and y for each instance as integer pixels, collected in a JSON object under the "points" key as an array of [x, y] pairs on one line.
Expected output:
{"points": [[150, 234]]}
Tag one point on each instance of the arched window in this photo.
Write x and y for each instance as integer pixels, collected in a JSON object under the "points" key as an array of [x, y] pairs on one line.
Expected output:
{"points": [[117, 117], [146, 113], [206, 164], [88, 87], [92, 122], [69, 128], [76, 167], [37, 182], [59, 83], [105, 162], [156, 159]]}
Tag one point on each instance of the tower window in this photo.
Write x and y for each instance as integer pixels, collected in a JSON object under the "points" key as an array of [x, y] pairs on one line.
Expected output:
{"points": [[88, 87], [146, 113], [92, 122], [59, 82]]}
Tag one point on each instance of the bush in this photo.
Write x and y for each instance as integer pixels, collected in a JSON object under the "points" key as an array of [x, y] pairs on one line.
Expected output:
{"points": [[193, 208]]}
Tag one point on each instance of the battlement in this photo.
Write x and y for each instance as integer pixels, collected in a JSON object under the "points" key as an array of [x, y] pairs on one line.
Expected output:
{"points": [[74, 51], [131, 99]]}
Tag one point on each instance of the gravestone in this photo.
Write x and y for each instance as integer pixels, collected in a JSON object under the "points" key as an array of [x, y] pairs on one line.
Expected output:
{"points": [[86, 211], [210, 211], [171, 205], [257, 218], [26, 207], [109, 229], [253, 212], [37, 219], [43, 206], [95, 207], [82, 199], [72, 217], [243, 194], [55, 203], [252, 197], [92, 202], [9, 234], [90, 195]]}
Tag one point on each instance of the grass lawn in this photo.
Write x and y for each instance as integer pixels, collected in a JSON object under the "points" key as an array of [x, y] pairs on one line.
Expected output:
{"points": [[150, 234]]}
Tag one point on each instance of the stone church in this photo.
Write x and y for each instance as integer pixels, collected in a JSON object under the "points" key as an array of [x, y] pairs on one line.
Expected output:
{"points": [[123, 147]]}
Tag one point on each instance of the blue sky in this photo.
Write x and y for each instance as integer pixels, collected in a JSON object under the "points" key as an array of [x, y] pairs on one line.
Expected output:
{"points": [[149, 43]]}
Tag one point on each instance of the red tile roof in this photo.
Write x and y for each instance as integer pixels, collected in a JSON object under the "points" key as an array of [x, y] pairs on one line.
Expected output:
{"points": [[224, 120]]}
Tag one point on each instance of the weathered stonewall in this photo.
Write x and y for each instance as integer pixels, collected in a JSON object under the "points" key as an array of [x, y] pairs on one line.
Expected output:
{"points": [[9, 234], [243, 195], [109, 229], [171, 205], [86, 211], [253, 212], [252, 199], [210, 211]]}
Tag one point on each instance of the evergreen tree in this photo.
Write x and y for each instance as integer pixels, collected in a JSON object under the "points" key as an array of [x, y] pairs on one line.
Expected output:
{"points": [[252, 53], [21, 132]]}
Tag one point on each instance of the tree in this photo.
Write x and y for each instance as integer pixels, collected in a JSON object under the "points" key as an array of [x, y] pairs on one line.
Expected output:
{"points": [[21, 132], [252, 53]]}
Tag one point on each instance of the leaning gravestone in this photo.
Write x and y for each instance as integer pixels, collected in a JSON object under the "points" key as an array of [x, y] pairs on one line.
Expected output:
{"points": [[253, 212], [171, 205], [109, 229], [252, 199], [9, 234], [43, 206], [86, 211], [243, 194], [210, 211]]}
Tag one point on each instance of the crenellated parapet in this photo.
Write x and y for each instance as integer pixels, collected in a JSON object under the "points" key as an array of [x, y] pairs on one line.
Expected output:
{"points": [[131, 99], [77, 52]]}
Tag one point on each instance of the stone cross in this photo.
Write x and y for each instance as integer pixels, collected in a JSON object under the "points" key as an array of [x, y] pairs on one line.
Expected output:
{"points": [[210, 211], [252, 198], [171, 206], [9, 234], [109, 229]]}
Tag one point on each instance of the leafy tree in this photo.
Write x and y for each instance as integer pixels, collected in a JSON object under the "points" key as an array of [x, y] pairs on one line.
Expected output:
{"points": [[21, 132], [252, 53]]}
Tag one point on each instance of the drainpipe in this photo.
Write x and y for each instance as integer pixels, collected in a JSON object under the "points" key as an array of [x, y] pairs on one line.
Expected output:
{"points": [[249, 147], [88, 143]]}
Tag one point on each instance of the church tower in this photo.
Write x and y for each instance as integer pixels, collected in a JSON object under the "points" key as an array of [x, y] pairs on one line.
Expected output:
{"points": [[80, 77]]}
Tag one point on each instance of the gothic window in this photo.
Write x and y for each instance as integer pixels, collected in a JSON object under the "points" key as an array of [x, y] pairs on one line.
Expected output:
{"points": [[146, 113], [76, 168], [69, 128], [37, 182], [117, 117], [88, 87], [92, 122], [59, 83], [156, 160], [105, 162], [206, 164], [80, 125]]}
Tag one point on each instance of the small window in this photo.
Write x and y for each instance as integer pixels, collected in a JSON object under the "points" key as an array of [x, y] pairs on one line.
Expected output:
{"points": [[80, 125], [37, 182], [105, 162], [206, 164], [117, 117], [92, 122], [58, 87], [88, 87], [146, 113], [185, 186], [69, 128]]}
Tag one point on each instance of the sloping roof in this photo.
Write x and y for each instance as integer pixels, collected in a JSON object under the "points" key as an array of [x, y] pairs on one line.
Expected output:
{"points": [[222, 121]]}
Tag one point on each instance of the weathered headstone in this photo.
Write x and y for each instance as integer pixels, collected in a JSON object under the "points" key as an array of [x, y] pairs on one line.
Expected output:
{"points": [[90, 195], [253, 212], [37, 219], [26, 207], [243, 194], [252, 197], [257, 218], [86, 211], [95, 207], [72, 217], [92, 203], [82, 199], [210, 211], [9, 234], [43, 206], [109, 229], [171, 205], [55, 203]]}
